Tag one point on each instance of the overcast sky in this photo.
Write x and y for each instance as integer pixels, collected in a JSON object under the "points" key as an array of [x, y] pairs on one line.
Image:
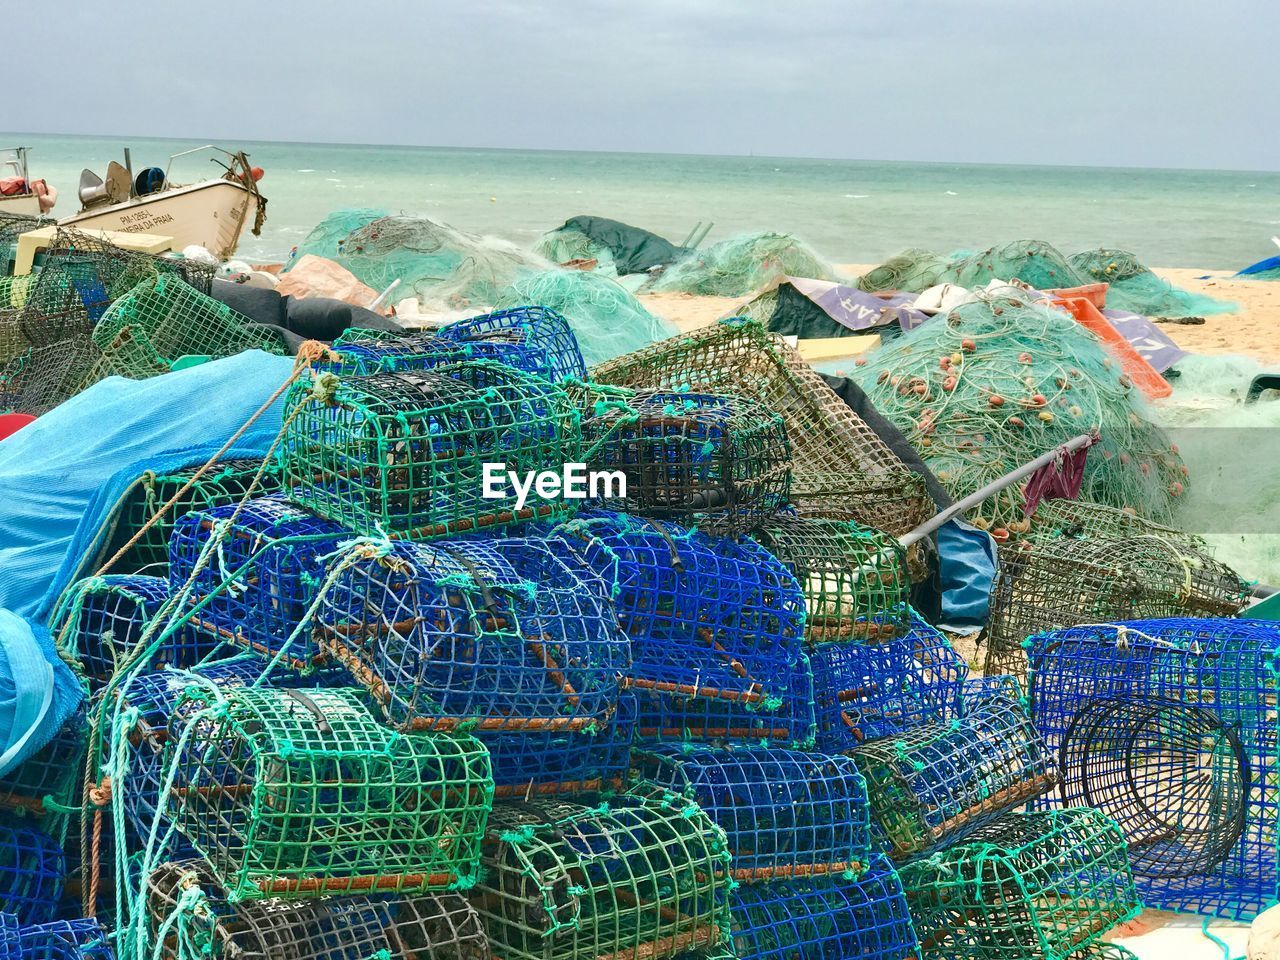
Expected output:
{"points": [[1179, 83]]}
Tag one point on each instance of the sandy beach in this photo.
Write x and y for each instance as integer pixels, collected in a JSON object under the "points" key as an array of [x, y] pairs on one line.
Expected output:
{"points": [[1251, 331]]}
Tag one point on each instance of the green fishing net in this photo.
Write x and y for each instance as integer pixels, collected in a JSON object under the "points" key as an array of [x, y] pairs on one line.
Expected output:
{"points": [[1043, 266], [328, 237], [606, 319], [741, 265], [1137, 289], [443, 267], [563, 245], [1000, 381]]}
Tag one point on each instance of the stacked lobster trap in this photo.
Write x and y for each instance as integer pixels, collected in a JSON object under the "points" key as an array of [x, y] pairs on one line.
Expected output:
{"points": [[352, 704]]}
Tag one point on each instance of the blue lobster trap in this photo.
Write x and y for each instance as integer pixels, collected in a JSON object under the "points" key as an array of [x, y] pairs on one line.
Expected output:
{"points": [[708, 618], [934, 783], [54, 772], [101, 621], [867, 691], [493, 635], [32, 872], [256, 568], [362, 352], [786, 721], [79, 939], [826, 918], [539, 763], [1168, 727], [787, 814], [535, 339], [715, 461]]}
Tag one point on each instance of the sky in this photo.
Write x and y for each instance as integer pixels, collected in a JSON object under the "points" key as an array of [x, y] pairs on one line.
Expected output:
{"points": [[1169, 83]]}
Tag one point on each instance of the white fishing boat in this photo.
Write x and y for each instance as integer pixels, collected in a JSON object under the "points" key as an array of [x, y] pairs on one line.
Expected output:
{"points": [[208, 213], [18, 192]]}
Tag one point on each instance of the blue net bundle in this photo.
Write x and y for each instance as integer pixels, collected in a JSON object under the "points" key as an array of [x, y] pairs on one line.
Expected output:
{"points": [[439, 926], [868, 691], [506, 634], [79, 939], [708, 618], [1168, 728], [855, 579], [786, 814], [718, 462], [787, 720], [101, 622], [826, 918], [404, 454], [252, 570], [32, 872], [934, 783], [1028, 885], [304, 794]]}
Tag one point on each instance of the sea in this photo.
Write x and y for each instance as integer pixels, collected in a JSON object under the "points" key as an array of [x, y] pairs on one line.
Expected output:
{"points": [[850, 211]]}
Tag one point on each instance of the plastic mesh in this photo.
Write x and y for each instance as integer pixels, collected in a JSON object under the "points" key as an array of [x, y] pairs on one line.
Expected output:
{"points": [[840, 468], [720, 463], [935, 783], [363, 352], [855, 580], [42, 377], [1028, 885], [1169, 728], [708, 618], [65, 940], [164, 319], [512, 634], [743, 264], [298, 794], [831, 918], [1059, 583], [256, 585], [874, 690], [439, 926], [785, 813], [1134, 287], [32, 869], [1076, 519], [52, 773], [101, 620], [404, 453], [228, 481], [638, 878]]}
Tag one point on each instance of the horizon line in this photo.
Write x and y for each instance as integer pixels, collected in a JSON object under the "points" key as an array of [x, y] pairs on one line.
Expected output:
{"points": [[635, 153]]}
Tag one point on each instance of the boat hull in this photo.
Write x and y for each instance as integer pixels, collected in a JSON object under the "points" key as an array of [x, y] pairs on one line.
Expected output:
{"points": [[28, 204], [211, 214]]}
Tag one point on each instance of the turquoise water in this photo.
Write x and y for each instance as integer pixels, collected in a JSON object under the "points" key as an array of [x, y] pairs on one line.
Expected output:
{"points": [[851, 211]]}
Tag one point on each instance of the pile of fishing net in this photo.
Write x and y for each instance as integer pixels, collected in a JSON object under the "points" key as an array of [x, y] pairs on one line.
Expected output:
{"points": [[442, 267], [741, 265], [1044, 267], [997, 382], [606, 319], [618, 248]]}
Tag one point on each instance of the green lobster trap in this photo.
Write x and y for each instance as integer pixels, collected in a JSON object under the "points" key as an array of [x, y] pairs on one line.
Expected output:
{"points": [[855, 580], [404, 454], [718, 462], [934, 783], [440, 926], [1030, 885], [303, 794], [641, 877], [1058, 583], [196, 488], [840, 467]]}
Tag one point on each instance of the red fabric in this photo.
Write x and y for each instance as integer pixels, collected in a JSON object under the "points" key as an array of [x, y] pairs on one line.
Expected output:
{"points": [[12, 186], [1059, 479]]}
